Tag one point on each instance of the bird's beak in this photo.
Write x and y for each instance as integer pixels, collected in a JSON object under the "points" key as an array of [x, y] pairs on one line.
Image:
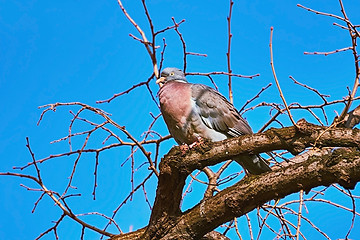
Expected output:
{"points": [[160, 81]]}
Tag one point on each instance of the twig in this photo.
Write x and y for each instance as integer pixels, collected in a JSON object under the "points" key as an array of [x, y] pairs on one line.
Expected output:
{"points": [[122, 93], [127, 198], [263, 220], [270, 121], [237, 229], [299, 214], [255, 97], [146, 198], [228, 50], [321, 13], [328, 53], [276, 80], [353, 214], [323, 96], [228, 227], [170, 27], [53, 196], [224, 73], [102, 215], [146, 42], [132, 171], [354, 34], [162, 54], [176, 26], [341, 26], [304, 218], [213, 82], [188, 190], [53, 228], [95, 174], [250, 228]]}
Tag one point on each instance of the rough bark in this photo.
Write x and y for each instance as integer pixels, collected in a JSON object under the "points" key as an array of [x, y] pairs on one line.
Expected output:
{"points": [[352, 118], [168, 222]]}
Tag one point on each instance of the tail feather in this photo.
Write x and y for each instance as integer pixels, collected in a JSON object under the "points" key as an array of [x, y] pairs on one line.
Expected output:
{"points": [[254, 164]]}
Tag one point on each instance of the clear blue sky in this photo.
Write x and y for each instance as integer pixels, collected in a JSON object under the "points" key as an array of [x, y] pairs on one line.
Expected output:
{"points": [[61, 51]]}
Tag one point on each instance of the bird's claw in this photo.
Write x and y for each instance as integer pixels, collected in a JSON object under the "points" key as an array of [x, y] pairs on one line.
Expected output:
{"points": [[197, 144], [184, 149]]}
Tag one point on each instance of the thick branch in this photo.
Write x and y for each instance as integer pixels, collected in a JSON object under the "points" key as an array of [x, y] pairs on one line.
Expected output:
{"points": [[174, 168], [341, 166], [288, 138], [213, 235], [352, 118]]}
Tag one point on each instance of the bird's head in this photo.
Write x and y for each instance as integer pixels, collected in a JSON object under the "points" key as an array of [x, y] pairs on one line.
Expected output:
{"points": [[171, 74]]}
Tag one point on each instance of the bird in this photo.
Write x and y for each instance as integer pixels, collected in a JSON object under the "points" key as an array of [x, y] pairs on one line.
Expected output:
{"points": [[196, 111]]}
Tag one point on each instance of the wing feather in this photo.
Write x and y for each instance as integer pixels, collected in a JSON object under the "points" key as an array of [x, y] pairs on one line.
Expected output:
{"points": [[217, 112]]}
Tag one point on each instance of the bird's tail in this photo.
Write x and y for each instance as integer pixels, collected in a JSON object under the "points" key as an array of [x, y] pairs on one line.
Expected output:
{"points": [[254, 164]]}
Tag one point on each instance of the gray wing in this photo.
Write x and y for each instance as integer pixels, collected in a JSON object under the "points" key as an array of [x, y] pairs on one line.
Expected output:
{"points": [[217, 112]]}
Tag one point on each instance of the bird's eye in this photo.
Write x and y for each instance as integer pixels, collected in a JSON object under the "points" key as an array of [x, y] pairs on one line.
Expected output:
{"points": [[172, 74]]}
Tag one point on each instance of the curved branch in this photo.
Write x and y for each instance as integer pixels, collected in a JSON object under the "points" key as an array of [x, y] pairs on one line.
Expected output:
{"points": [[340, 166], [167, 220]]}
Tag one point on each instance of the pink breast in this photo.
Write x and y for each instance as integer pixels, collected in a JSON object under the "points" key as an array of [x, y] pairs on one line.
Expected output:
{"points": [[175, 101]]}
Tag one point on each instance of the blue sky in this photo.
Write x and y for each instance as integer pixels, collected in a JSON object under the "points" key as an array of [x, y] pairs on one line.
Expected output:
{"points": [[81, 51]]}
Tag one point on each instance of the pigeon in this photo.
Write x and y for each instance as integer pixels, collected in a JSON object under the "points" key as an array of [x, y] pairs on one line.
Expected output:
{"points": [[195, 111]]}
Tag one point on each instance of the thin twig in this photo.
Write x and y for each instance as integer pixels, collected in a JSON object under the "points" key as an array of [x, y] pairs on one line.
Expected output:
{"points": [[122, 93], [146, 42], [299, 214], [228, 50], [353, 214], [224, 73], [255, 97], [249, 225], [330, 52], [237, 229], [354, 34], [276, 80]]}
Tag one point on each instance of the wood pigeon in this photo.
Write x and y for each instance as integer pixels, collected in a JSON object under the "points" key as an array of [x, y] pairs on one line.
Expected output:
{"points": [[195, 111]]}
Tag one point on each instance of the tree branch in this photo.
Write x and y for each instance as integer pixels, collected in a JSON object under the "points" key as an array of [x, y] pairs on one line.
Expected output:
{"points": [[339, 166]]}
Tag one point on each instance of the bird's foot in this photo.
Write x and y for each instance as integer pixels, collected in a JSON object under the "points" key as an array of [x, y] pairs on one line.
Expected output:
{"points": [[184, 149], [198, 144]]}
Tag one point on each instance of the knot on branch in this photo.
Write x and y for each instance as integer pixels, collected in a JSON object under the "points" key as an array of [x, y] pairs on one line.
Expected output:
{"points": [[336, 160], [338, 155], [292, 138], [296, 147], [304, 127], [171, 161]]}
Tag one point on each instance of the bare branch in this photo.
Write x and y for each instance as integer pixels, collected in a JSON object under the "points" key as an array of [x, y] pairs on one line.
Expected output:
{"points": [[323, 96], [228, 51], [146, 42], [354, 34], [224, 73], [299, 214], [328, 53], [122, 93], [276, 80], [255, 97]]}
